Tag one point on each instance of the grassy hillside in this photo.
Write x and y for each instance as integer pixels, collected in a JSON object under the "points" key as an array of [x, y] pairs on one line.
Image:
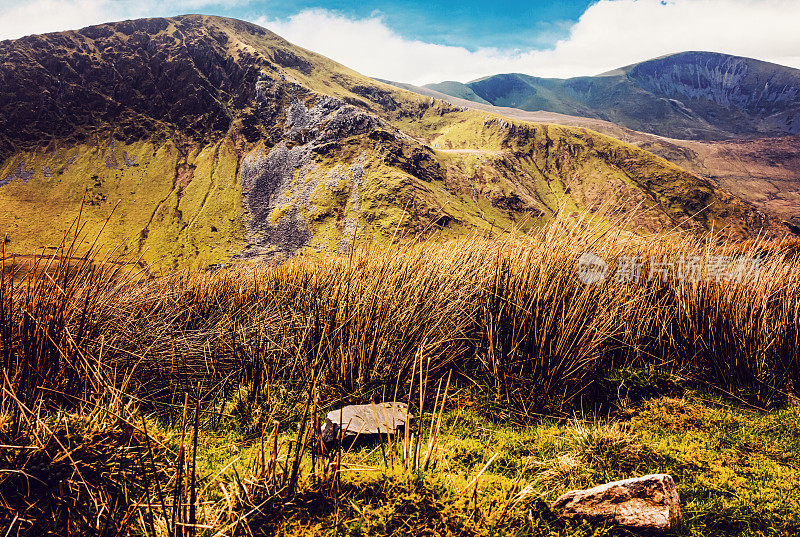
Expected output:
{"points": [[229, 142], [178, 206], [457, 89], [556, 166], [762, 171]]}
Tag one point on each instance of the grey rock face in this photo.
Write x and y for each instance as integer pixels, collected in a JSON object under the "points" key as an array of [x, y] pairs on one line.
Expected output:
{"points": [[312, 123], [363, 421], [351, 223], [725, 80], [264, 178], [649, 503]]}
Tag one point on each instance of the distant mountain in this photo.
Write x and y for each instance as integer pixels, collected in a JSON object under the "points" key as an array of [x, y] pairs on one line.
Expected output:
{"points": [[213, 139], [690, 95], [457, 89]]}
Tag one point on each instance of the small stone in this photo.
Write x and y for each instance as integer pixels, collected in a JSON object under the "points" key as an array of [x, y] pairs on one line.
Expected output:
{"points": [[364, 421], [649, 503]]}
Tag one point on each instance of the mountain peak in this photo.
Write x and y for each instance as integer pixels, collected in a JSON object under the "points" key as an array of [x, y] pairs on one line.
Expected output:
{"points": [[191, 74]]}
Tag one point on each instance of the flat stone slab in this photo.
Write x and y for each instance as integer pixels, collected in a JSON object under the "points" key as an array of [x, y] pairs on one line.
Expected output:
{"points": [[649, 503], [364, 421]]}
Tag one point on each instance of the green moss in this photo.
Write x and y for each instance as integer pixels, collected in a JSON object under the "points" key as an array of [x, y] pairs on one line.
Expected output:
{"points": [[279, 212], [736, 471], [329, 201]]}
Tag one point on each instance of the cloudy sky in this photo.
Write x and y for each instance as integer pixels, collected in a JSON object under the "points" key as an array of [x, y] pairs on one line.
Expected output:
{"points": [[422, 41]]}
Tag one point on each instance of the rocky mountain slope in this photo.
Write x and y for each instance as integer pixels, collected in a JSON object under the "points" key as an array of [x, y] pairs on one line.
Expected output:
{"points": [[691, 95], [195, 140], [763, 171]]}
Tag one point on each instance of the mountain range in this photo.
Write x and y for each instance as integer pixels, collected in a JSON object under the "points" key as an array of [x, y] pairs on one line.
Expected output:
{"points": [[195, 140], [729, 119], [690, 95]]}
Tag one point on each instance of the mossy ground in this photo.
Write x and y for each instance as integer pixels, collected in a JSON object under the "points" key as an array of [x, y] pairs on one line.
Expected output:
{"points": [[737, 471]]}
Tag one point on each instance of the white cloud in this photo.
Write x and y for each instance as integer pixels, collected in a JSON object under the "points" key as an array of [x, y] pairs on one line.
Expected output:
{"points": [[24, 17], [610, 34], [41, 16]]}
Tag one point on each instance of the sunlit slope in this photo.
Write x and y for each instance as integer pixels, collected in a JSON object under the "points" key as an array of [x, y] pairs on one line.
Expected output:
{"points": [[218, 140], [182, 209], [558, 166]]}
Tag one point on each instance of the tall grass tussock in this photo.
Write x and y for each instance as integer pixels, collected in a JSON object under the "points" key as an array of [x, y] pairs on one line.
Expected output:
{"points": [[252, 347], [507, 315]]}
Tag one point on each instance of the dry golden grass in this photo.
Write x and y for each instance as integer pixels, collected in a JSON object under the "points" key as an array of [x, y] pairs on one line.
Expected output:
{"points": [[509, 316], [508, 320]]}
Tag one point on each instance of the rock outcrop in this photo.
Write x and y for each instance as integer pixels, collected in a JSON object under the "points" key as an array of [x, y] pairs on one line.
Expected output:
{"points": [[314, 125], [647, 504]]}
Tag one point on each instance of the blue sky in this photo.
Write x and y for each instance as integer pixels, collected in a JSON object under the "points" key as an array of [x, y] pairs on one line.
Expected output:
{"points": [[422, 41], [468, 23]]}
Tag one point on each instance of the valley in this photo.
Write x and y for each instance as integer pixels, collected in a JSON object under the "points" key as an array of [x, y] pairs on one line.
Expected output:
{"points": [[763, 171]]}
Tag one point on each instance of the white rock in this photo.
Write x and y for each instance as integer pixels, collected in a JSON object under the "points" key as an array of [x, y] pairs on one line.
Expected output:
{"points": [[364, 421]]}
